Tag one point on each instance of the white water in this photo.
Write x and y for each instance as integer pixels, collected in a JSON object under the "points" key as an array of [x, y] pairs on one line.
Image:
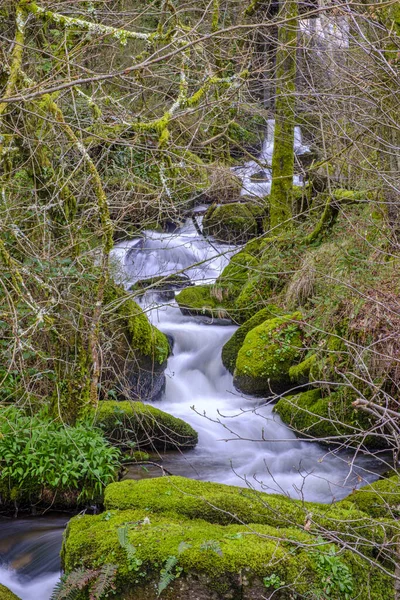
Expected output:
{"points": [[240, 441], [257, 176]]}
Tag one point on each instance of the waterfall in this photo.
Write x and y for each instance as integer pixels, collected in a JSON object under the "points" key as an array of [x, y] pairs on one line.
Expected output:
{"points": [[257, 176], [240, 440]]}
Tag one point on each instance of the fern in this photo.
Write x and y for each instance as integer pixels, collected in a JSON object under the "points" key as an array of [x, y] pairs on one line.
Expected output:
{"points": [[104, 582], [167, 574], [68, 588]]}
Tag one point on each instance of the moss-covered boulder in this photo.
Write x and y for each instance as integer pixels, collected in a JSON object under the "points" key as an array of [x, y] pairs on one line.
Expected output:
{"points": [[170, 531], [232, 223], [267, 353], [379, 499], [202, 300], [330, 417], [218, 300], [137, 353], [6, 594], [231, 349], [143, 425]]}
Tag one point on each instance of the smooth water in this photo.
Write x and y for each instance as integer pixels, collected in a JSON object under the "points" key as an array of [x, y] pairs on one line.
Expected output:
{"points": [[30, 555]]}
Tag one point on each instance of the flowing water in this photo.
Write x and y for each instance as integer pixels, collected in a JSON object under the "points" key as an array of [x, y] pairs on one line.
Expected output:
{"points": [[256, 176], [241, 441], [30, 555]]}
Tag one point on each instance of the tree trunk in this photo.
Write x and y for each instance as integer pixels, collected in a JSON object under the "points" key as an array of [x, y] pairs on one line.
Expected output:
{"points": [[283, 155]]}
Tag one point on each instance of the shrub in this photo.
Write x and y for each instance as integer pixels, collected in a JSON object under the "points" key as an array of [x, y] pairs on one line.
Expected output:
{"points": [[39, 455]]}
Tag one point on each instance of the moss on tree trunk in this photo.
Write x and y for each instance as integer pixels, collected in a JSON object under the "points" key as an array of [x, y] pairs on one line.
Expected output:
{"points": [[283, 155]]}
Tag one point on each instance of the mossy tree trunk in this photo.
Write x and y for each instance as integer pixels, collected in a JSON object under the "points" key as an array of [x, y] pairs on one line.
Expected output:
{"points": [[283, 155]]}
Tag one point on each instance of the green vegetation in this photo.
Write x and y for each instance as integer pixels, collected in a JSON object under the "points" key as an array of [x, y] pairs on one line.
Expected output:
{"points": [[6, 594], [152, 529], [41, 458], [267, 353], [141, 425]]}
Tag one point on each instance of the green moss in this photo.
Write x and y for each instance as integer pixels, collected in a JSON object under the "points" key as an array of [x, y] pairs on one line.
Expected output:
{"points": [[326, 417], [144, 425], [144, 338], [6, 594], [199, 300], [379, 499], [232, 223], [300, 373], [267, 353], [220, 552], [231, 349]]}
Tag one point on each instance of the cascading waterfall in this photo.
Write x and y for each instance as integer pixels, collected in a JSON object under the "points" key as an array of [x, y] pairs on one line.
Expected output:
{"points": [[257, 176], [241, 442]]}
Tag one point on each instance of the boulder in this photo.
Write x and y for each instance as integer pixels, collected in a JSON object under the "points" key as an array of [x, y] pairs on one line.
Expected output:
{"points": [[267, 353], [192, 539], [231, 349], [145, 426]]}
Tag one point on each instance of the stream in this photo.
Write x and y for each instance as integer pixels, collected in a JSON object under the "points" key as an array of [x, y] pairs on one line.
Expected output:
{"points": [[241, 441]]}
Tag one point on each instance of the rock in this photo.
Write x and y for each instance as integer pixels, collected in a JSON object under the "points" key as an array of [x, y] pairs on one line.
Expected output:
{"points": [[380, 499], [231, 349], [332, 415], [232, 223], [218, 301], [196, 531], [267, 353], [6, 594], [144, 425], [199, 300], [138, 351]]}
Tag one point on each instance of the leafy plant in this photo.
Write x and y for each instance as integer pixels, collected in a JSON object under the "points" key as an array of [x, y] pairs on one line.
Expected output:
{"points": [[171, 569], [134, 563], [274, 581], [38, 454], [335, 576]]}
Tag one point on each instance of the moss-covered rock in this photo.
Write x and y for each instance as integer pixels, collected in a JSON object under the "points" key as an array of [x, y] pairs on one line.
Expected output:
{"points": [[329, 417], [233, 223], [231, 349], [220, 555], [6, 594], [300, 373], [379, 499], [138, 352], [201, 300], [143, 425], [267, 353]]}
